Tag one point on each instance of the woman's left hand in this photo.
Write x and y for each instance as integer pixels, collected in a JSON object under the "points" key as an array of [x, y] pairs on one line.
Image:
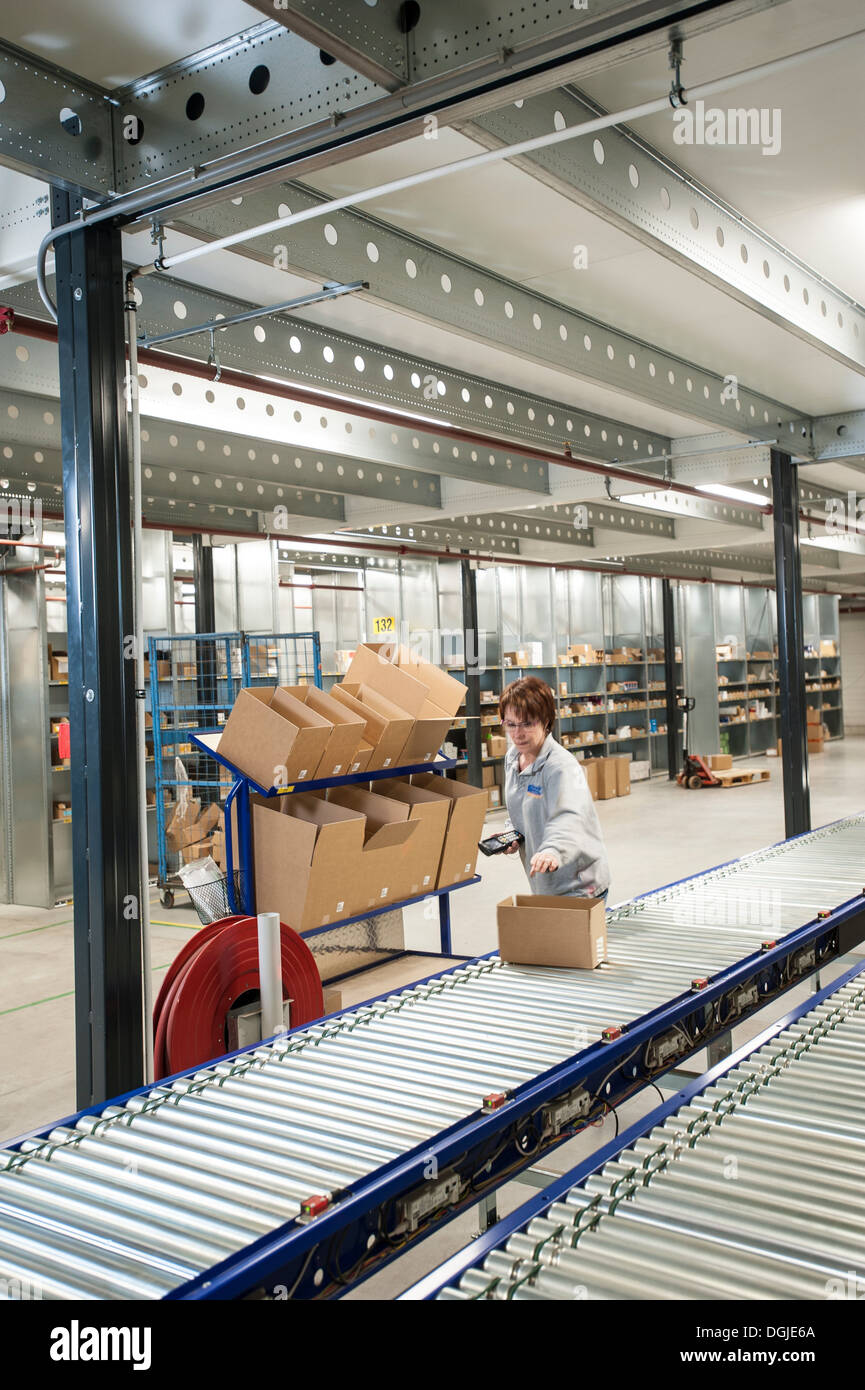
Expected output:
{"points": [[544, 863]]}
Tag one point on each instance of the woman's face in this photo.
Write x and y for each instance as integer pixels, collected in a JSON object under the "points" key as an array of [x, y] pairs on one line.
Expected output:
{"points": [[527, 737]]}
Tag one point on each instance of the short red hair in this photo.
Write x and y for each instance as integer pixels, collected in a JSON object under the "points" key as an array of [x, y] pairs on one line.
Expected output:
{"points": [[531, 700]]}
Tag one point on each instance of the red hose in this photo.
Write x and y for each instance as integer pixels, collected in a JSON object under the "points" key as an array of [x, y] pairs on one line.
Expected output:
{"points": [[207, 977]]}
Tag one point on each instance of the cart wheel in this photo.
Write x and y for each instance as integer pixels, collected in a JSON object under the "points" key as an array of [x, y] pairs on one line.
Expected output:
{"points": [[166, 897], [695, 783]]}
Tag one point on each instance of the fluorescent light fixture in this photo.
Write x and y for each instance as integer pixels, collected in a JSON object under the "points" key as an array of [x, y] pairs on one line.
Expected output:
{"points": [[735, 494]]}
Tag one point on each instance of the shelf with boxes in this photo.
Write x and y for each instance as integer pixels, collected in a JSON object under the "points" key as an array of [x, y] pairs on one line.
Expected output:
{"points": [[338, 806]]}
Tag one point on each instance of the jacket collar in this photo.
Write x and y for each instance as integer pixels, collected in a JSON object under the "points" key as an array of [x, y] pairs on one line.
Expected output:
{"points": [[546, 749]]}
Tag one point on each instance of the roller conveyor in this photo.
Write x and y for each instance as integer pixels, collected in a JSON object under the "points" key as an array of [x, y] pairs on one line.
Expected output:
{"points": [[753, 1188], [302, 1165]]}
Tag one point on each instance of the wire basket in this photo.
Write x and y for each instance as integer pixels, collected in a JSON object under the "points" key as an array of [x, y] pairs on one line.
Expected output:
{"points": [[210, 899]]}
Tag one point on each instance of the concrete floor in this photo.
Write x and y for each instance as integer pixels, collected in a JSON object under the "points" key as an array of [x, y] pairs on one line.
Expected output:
{"points": [[654, 836]]}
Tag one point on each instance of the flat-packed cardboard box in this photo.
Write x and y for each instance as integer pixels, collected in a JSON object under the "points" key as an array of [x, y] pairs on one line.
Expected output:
{"points": [[274, 738], [536, 929], [432, 696], [623, 775], [316, 864], [332, 1000], [607, 778], [720, 762], [190, 824], [386, 726], [431, 812], [343, 754], [468, 808]]}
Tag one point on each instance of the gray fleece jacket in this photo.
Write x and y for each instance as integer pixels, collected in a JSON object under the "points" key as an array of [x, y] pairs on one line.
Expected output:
{"points": [[550, 803]]}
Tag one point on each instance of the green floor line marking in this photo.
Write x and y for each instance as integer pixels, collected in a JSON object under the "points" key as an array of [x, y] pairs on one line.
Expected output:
{"points": [[50, 998], [27, 930]]}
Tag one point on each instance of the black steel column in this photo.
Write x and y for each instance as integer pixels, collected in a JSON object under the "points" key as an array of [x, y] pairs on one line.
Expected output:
{"points": [[202, 572], [471, 646], [670, 691], [205, 670], [96, 485], [791, 644]]}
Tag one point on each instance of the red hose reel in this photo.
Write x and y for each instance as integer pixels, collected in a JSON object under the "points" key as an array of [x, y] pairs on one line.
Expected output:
{"points": [[206, 978]]}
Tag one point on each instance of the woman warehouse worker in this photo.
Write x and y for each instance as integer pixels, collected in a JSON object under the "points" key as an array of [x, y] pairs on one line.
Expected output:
{"points": [[548, 799]]}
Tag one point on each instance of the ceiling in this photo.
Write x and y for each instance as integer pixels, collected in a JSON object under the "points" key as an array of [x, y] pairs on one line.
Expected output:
{"points": [[540, 229]]}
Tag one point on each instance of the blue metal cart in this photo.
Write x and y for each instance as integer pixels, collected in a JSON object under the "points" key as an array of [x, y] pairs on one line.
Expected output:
{"points": [[239, 880]]}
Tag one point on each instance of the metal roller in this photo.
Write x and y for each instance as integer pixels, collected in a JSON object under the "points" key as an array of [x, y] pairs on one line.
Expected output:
{"points": [[741, 1193], [140, 1199]]}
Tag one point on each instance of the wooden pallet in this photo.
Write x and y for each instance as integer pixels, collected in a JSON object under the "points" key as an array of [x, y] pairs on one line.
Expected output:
{"points": [[734, 778]]}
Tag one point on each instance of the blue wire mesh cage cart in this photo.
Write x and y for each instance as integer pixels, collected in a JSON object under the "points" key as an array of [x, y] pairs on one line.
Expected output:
{"points": [[194, 682]]}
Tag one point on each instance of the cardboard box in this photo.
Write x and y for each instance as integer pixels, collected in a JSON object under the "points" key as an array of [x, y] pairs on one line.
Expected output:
{"points": [[535, 929], [640, 770], [590, 772], [274, 738], [342, 755], [202, 849], [607, 779], [430, 695], [497, 745], [432, 813], [495, 797], [386, 726], [414, 865], [623, 775], [828, 647], [720, 762], [468, 808], [813, 716], [315, 862], [189, 825], [58, 663], [332, 1000]]}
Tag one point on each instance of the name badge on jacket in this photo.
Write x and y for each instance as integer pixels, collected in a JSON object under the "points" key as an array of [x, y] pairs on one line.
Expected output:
{"points": [[532, 790]]}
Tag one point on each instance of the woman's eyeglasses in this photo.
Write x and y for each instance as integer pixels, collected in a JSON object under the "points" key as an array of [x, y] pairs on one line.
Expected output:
{"points": [[516, 728]]}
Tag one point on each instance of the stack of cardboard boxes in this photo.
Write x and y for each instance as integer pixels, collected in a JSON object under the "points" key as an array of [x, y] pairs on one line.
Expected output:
{"points": [[817, 731], [607, 777], [323, 856], [391, 710], [189, 827]]}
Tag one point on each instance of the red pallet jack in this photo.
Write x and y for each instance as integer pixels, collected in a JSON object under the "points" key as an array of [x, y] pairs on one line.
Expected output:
{"points": [[695, 772]]}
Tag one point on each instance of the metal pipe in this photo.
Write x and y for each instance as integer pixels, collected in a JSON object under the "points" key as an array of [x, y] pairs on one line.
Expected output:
{"points": [[134, 418], [270, 973]]}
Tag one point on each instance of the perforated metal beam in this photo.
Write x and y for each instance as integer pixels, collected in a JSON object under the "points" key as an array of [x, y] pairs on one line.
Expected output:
{"points": [[445, 535], [213, 112], [531, 527], [229, 457], [434, 285], [599, 517], [628, 183], [839, 436], [351, 438], [184, 492], [695, 508]]}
